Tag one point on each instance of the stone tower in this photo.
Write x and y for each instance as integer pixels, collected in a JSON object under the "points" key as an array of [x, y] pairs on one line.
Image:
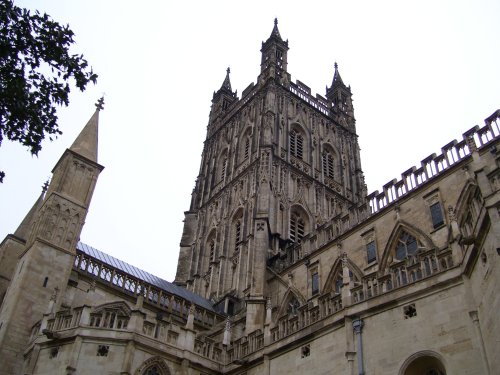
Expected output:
{"points": [[42, 251], [276, 164]]}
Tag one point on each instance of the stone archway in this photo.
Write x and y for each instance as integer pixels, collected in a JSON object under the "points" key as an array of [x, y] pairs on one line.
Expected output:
{"points": [[423, 363]]}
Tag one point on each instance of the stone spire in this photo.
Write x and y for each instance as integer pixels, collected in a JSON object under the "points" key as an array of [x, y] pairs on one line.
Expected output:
{"points": [[337, 80], [23, 229], [226, 85], [86, 142], [275, 33]]}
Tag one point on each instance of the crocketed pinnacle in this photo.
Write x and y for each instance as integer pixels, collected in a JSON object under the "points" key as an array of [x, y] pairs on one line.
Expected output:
{"points": [[23, 229]]}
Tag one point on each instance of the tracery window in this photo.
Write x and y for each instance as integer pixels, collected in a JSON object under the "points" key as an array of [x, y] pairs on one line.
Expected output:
{"points": [[296, 144], [407, 245], [297, 228], [328, 164]]}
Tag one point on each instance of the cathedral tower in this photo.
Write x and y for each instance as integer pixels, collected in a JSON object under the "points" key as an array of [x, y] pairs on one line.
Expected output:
{"points": [[276, 164], [50, 233]]}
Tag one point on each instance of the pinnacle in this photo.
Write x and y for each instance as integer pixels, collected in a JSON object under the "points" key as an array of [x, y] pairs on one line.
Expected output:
{"points": [[86, 142]]}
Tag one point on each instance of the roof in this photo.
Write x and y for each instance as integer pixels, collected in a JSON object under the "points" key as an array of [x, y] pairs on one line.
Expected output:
{"points": [[145, 276]]}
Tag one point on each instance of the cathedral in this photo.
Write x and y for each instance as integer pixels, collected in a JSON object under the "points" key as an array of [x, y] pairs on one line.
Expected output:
{"points": [[287, 265]]}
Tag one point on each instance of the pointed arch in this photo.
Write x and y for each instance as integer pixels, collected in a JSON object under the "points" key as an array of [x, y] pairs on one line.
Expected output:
{"points": [[153, 366], [332, 281], [423, 362], [289, 298], [404, 231]]}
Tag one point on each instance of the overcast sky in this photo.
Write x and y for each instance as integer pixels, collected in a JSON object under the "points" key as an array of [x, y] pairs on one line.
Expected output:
{"points": [[421, 73]]}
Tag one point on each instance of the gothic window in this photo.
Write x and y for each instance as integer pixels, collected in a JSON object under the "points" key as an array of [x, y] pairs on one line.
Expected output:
{"points": [[293, 306], [211, 246], [223, 168], [371, 252], [328, 164], [407, 245], [246, 153], [296, 144], [297, 228], [436, 215], [237, 235], [315, 283], [339, 283]]}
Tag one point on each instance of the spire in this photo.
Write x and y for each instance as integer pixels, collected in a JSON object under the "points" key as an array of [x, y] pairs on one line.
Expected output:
{"points": [[86, 142], [23, 229], [226, 85], [276, 33], [337, 80]]}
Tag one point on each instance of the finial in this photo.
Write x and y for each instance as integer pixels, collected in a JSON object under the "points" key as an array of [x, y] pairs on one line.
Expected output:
{"points": [[228, 70], [45, 186], [100, 103], [276, 21], [336, 65]]}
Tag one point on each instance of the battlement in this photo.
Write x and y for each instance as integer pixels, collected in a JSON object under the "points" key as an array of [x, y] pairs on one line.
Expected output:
{"points": [[434, 165]]}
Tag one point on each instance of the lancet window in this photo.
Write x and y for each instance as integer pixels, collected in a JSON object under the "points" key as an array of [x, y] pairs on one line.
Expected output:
{"points": [[237, 235]]}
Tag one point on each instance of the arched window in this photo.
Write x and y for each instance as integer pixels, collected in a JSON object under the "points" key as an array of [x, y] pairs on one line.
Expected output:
{"points": [[297, 228], [246, 150], [211, 246], [237, 235], [406, 245], [328, 164], [222, 166], [293, 306], [296, 144]]}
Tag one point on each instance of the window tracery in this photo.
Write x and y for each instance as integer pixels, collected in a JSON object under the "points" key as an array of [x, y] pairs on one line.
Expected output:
{"points": [[407, 245]]}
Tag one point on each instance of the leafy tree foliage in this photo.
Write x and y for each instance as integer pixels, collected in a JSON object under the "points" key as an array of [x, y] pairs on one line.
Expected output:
{"points": [[35, 69]]}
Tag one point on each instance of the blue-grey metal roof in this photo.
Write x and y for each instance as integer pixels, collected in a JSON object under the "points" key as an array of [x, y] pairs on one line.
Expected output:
{"points": [[145, 276]]}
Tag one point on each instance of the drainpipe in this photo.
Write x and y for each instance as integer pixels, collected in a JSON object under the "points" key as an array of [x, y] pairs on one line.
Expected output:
{"points": [[357, 326]]}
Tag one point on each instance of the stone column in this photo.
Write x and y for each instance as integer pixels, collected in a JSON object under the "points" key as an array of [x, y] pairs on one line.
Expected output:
{"points": [[357, 325], [477, 327]]}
